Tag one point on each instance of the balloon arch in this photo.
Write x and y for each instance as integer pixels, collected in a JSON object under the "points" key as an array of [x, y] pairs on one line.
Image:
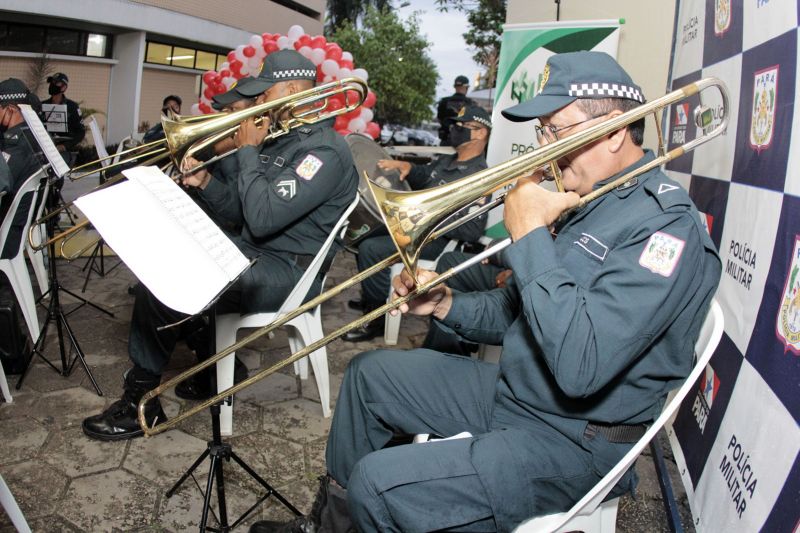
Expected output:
{"points": [[332, 64]]}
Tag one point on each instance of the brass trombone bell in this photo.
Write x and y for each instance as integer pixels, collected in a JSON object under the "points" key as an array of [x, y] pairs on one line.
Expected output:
{"points": [[414, 218]]}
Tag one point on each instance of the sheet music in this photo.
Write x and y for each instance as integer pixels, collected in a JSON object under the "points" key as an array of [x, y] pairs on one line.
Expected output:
{"points": [[165, 239], [43, 138], [55, 117], [97, 137]]}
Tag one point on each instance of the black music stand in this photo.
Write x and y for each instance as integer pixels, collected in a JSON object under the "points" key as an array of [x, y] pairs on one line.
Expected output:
{"points": [[218, 450], [56, 314], [97, 257]]}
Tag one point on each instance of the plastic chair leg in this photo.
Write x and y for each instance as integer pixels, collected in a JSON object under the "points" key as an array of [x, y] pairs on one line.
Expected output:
{"points": [[12, 509], [23, 291], [226, 336]]}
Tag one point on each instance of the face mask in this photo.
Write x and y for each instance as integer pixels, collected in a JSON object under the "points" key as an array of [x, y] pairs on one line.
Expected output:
{"points": [[53, 89], [459, 135]]}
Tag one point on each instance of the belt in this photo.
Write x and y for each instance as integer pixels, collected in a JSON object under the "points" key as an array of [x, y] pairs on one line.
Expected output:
{"points": [[617, 433], [301, 260]]}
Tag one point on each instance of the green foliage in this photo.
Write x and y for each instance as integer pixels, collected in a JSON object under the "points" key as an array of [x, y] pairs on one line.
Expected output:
{"points": [[401, 74], [349, 12], [486, 19]]}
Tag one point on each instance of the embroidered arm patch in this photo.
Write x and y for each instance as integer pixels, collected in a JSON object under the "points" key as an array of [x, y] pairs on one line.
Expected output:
{"points": [[662, 253], [309, 167]]}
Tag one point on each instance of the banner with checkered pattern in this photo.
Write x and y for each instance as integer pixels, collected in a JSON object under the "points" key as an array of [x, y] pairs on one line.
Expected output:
{"points": [[737, 440]]}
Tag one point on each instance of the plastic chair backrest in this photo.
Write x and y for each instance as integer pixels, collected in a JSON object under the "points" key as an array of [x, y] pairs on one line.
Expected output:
{"points": [[27, 189], [710, 335], [296, 297], [121, 148]]}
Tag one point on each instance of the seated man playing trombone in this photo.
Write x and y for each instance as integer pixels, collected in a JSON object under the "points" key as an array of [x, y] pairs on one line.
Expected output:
{"points": [[597, 324], [291, 192]]}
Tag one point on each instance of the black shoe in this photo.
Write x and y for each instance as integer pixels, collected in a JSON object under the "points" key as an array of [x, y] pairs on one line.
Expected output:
{"points": [[366, 333], [203, 385], [120, 422], [357, 305]]}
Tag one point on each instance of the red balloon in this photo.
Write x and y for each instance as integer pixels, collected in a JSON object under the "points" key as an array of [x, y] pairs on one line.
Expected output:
{"points": [[208, 92], [344, 63], [304, 40], [340, 123], [209, 77], [352, 98], [297, 44], [249, 51], [204, 107], [236, 68], [344, 132], [271, 46], [219, 88], [231, 56], [318, 41], [333, 105], [370, 100], [333, 51], [355, 113], [339, 98], [224, 73], [320, 74], [373, 130]]}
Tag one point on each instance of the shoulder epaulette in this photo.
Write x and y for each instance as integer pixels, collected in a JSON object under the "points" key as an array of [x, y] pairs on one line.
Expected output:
{"points": [[667, 193]]}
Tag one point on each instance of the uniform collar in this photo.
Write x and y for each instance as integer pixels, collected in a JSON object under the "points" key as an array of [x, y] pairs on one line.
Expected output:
{"points": [[463, 165]]}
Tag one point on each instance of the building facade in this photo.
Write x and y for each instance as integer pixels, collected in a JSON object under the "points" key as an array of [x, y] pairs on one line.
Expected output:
{"points": [[123, 57]]}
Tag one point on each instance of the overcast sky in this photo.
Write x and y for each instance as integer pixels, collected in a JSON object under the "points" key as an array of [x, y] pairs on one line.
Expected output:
{"points": [[448, 49]]}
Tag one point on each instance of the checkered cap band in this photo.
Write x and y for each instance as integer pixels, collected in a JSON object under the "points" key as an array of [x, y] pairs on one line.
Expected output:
{"points": [[13, 96], [606, 90], [295, 73], [482, 121]]}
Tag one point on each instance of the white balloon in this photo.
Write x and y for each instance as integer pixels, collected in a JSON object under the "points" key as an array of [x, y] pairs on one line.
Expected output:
{"points": [[327, 79], [260, 53], [347, 56], [366, 114], [225, 66], [330, 67], [317, 56], [227, 81], [253, 63], [256, 41], [295, 32], [305, 51], [283, 42], [195, 109], [245, 70], [344, 73], [361, 73], [357, 125], [239, 53]]}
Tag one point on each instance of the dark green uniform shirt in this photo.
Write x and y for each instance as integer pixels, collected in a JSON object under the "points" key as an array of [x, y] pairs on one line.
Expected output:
{"points": [[291, 191], [598, 323], [446, 169]]}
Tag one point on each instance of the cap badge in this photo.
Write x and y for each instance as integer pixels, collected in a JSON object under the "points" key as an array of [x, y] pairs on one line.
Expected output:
{"points": [[462, 111], [545, 77]]}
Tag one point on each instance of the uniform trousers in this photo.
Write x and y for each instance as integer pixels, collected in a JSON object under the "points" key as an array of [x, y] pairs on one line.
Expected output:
{"points": [[377, 247], [443, 485], [263, 287]]}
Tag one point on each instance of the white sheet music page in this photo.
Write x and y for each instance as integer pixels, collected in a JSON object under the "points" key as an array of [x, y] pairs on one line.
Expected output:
{"points": [[171, 245], [43, 138]]}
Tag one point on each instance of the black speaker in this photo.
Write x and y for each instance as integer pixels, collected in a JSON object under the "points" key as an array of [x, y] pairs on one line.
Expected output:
{"points": [[14, 344]]}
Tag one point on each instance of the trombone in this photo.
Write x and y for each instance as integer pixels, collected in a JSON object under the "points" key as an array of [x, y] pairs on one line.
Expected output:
{"points": [[185, 136], [414, 218]]}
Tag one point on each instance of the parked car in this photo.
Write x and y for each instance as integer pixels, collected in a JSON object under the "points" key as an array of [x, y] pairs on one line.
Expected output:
{"points": [[422, 137], [392, 134]]}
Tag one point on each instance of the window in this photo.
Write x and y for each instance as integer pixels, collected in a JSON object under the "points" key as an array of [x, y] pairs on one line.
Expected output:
{"points": [[17, 37], [180, 56]]}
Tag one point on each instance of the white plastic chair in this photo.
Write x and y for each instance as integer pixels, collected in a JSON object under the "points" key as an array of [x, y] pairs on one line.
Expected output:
{"points": [[302, 330], [590, 513], [391, 328], [36, 257], [14, 267], [12, 509]]}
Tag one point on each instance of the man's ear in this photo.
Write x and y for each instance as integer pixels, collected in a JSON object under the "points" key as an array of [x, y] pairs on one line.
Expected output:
{"points": [[616, 138]]}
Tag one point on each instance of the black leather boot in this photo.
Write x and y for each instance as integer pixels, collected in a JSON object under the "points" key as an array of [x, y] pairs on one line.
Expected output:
{"points": [[328, 514], [119, 421], [367, 332], [203, 385]]}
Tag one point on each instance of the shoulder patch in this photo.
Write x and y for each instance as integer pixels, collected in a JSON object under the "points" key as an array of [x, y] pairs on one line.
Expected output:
{"points": [[666, 187], [309, 167], [662, 253], [668, 193], [286, 189]]}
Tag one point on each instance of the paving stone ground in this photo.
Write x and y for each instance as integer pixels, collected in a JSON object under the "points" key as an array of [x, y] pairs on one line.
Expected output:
{"points": [[65, 482]]}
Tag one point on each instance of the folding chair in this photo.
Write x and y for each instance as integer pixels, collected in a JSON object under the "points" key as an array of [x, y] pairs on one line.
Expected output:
{"points": [[303, 330], [12, 261], [12, 509], [591, 513]]}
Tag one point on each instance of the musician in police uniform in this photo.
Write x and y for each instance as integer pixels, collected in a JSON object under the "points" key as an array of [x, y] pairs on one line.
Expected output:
{"points": [[469, 136], [76, 131], [450, 106], [597, 325], [16, 146], [292, 191]]}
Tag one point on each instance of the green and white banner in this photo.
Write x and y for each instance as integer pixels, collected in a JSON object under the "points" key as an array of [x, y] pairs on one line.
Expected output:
{"points": [[523, 54]]}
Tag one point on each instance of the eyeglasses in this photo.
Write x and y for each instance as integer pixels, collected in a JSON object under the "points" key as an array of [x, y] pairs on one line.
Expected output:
{"points": [[549, 132]]}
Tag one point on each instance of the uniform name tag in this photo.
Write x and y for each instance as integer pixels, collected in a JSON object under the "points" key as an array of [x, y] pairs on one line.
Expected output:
{"points": [[662, 253], [593, 246], [309, 167]]}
